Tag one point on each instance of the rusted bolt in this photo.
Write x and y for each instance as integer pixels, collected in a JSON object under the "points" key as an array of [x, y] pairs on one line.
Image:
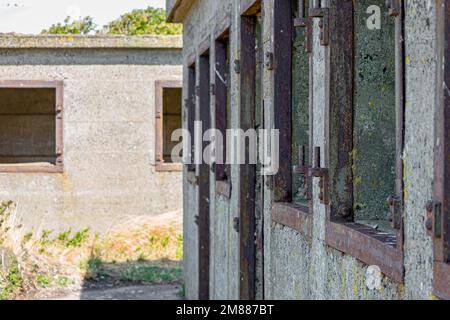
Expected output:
{"points": [[345, 211], [429, 206], [391, 200]]}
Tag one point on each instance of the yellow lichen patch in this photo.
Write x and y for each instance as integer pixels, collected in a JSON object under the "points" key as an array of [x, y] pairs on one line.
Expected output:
{"points": [[408, 60]]}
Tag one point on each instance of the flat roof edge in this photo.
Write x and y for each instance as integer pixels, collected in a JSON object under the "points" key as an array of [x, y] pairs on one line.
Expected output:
{"points": [[177, 10], [15, 41]]}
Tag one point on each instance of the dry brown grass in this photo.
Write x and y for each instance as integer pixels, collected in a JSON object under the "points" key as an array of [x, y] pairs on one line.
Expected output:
{"points": [[67, 259]]}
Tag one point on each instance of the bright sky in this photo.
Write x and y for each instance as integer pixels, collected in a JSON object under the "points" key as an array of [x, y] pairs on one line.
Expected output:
{"points": [[31, 16]]}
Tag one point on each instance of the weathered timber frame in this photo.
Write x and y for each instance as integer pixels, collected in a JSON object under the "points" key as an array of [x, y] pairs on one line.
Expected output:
{"points": [[284, 211], [221, 94], [59, 123], [438, 218], [247, 172], [364, 243], [190, 111], [161, 166], [204, 96]]}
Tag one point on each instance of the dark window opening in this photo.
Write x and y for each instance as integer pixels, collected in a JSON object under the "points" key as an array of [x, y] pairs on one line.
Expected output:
{"points": [[168, 119], [171, 119], [223, 101], [300, 135], [190, 105], [292, 184], [31, 126]]}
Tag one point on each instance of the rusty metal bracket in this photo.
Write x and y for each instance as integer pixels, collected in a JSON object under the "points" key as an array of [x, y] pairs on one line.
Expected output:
{"points": [[197, 220], [236, 224], [269, 61], [323, 14], [395, 212], [304, 22], [318, 172], [237, 66], [433, 222], [303, 169], [393, 7]]}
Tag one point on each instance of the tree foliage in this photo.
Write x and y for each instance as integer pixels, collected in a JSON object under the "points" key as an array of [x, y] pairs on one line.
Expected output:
{"points": [[136, 22], [83, 26], [143, 21]]}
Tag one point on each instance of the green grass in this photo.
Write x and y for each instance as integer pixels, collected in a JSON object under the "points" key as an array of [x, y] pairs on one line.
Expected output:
{"points": [[78, 239], [11, 283], [152, 274], [43, 280]]}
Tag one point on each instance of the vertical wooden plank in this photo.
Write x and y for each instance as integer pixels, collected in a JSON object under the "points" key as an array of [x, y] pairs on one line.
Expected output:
{"points": [[59, 93], [441, 280], [339, 115], [190, 105], [204, 181], [282, 53], [247, 171], [400, 96], [159, 122]]}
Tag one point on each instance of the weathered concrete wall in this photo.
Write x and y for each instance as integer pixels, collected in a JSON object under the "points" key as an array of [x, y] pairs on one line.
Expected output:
{"points": [[200, 26], [297, 267], [109, 133]]}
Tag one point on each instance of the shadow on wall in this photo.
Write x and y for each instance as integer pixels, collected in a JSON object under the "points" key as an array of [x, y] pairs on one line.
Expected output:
{"points": [[54, 57]]}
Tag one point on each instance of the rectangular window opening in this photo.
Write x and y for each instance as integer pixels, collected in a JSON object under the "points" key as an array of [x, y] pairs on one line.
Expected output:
{"points": [[300, 134], [223, 102], [374, 118], [30, 126], [190, 106], [168, 120]]}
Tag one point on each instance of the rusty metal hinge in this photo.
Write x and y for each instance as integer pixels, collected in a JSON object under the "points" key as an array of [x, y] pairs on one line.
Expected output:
{"points": [[393, 7], [395, 212], [237, 66], [433, 222], [323, 14], [322, 173], [197, 220], [304, 22], [236, 224], [303, 169]]}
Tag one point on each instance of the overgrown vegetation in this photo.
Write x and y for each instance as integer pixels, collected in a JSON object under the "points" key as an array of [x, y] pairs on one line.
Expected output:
{"points": [[82, 26], [137, 22], [10, 282], [152, 274], [47, 260]]}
